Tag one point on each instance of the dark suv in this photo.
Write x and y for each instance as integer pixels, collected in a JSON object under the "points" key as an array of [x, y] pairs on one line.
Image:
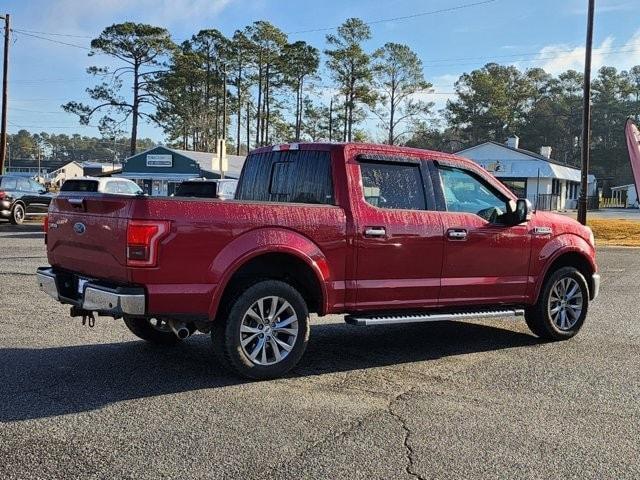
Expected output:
{"points": [[20, 196]]}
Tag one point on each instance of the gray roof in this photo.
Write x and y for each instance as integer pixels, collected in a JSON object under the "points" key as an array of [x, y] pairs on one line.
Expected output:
{"points": [[522, 151]]}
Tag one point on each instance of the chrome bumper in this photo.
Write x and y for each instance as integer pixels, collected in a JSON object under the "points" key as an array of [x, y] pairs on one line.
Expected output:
{"points": [[595, 283], [107, 301]]}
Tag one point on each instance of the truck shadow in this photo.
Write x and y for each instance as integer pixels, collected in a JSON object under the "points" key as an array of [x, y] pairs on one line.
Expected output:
{"points": [[39, 383]]}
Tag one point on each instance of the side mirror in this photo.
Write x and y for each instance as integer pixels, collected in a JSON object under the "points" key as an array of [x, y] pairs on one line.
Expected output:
{"points": [[518, 211]]}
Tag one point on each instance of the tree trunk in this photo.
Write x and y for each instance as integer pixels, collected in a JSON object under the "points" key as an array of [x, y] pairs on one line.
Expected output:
{"points": [[267, 101], [297, 135], [392, 112], [135, 109], [239, 105], [259, 100], [346, 116], [248, 127], [331, 120]]}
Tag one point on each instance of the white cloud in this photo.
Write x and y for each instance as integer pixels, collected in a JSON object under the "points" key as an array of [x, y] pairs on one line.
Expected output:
{"points": [[559, 58]]}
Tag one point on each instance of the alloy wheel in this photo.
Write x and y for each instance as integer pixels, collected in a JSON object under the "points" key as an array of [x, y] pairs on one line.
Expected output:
{"points": [[269, 330], [565, 303]]}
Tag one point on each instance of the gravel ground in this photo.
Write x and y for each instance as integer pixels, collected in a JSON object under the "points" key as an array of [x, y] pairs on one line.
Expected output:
{"points": [[443, 400]]}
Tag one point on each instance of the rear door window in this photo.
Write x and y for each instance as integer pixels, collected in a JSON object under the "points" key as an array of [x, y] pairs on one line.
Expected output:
{"points": [[8, 183], [393, 185], [79, 186], [298, 176]]}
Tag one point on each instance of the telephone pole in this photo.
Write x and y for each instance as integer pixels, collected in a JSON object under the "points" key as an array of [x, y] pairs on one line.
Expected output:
{"points": [[5, 93], [586, 119]]}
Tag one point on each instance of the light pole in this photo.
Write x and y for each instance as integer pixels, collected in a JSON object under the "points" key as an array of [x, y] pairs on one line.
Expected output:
{"points": [[586, 119]]}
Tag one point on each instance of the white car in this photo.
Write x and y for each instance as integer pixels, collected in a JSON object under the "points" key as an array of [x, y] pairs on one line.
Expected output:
{"points": [[119, 186]]}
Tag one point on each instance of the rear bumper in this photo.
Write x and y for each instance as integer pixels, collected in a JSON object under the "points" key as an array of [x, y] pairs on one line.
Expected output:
{"points": [[595, 285], [96, 297]]}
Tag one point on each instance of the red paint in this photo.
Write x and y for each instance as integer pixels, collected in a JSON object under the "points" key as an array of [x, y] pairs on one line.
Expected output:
{"points": [[414, 265]]}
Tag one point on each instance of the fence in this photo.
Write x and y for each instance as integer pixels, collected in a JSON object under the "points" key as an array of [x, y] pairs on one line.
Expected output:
{"points": [[547, 201]]}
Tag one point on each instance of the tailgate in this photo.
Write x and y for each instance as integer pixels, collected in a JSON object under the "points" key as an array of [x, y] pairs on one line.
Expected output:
{"points": [[88, 234]]}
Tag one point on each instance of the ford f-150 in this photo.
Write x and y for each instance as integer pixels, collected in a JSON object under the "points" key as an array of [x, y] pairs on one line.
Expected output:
{"points": [[383, 234]]}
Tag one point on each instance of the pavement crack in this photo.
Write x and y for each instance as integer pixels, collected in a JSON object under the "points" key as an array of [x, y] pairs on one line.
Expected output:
{"points": [[410, 468], [330, 438]]}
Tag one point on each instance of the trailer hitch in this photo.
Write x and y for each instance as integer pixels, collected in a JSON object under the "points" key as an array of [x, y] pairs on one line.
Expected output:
{"points": [[87, 316]]}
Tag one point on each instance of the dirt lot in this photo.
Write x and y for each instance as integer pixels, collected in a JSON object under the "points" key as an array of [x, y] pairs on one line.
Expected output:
{"points": [[444, 400]]}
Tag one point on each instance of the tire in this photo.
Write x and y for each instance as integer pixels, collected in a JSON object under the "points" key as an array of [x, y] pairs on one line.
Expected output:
{"points": [[17, 214], [142, 328], [562, 306], [251, 353]]}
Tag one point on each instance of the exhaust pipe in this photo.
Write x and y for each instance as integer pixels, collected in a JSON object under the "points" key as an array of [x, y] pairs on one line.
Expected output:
{"points": [[179, 329]]}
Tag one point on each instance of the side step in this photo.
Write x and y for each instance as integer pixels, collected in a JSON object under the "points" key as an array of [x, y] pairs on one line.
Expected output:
{"points": [[430, 317]]}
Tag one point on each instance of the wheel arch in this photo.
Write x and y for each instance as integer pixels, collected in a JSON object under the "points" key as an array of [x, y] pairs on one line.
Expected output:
{"points": [[569, 257], [283, 255]]}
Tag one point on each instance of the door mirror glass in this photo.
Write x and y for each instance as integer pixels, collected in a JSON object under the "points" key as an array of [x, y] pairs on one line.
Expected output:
{"points": [[518, 211]]}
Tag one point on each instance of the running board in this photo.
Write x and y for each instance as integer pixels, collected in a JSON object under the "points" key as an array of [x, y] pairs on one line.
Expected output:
{"points": [[430, 317]]}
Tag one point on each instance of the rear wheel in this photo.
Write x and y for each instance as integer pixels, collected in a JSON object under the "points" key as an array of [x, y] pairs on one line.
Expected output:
{"points": [[562, 305], [17, 214], [265, 331], [152, 330]]}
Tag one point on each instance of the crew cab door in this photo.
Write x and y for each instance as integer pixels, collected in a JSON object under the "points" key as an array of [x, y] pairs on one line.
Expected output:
{"points": [[398, 235], [485, 261]]}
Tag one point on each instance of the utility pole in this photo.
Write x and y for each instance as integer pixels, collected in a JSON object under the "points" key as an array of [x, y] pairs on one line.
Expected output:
{"points": [[5, 93], [224, 118], [586, 119]]}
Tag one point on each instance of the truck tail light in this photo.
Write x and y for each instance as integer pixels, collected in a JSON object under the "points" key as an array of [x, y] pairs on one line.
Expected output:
{"points": [[2, 194], [143, 237]]}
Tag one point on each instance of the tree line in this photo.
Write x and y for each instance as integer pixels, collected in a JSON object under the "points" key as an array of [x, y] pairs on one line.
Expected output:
{"points": [[268, 89], [64, 148]]}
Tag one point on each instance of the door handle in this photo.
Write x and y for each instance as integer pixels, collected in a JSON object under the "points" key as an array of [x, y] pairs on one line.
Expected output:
{"points": [[457, 234], [375, 232]]}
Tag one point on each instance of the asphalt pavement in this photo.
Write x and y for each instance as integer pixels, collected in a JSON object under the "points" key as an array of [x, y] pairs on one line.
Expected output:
{"points": [[480, 399]]}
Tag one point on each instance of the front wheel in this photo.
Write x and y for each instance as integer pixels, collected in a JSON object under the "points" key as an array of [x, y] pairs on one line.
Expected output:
{"points": [[562, 305], [265, 331]]}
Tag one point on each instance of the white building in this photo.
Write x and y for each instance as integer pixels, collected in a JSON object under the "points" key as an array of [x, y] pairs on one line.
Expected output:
{"points": [[547, 183], [58, 176], [625, 195]]}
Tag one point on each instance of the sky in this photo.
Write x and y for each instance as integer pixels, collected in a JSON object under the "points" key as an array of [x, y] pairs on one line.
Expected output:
{"points": [[542, 33]]}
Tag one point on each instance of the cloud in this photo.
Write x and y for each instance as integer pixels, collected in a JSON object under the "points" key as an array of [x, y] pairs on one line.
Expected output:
{"points": [[558, 58]]}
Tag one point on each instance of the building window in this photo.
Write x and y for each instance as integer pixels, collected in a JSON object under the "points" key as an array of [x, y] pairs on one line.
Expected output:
{"points": [[517, 185]]}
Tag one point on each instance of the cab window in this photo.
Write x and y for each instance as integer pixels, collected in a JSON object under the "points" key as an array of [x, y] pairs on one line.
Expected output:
{"points": [[394, 185], [465, 192]]}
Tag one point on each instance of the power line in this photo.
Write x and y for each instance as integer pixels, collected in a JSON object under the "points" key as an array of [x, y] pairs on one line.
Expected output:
{"points": [[51, 40], [20, 30], [404, 17]]}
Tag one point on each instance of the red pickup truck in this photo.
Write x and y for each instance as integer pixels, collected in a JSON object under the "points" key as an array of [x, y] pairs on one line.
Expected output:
{"points": [[383, 234]]}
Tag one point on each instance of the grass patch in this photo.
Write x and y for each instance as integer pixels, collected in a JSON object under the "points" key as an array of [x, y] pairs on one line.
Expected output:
{"points": [[619, 232]]}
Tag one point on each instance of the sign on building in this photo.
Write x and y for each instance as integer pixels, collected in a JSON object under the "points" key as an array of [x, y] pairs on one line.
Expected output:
{"points": [[159, 160]]}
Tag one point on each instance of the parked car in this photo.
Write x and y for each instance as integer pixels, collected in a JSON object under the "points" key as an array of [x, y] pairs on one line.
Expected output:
{"points": [[383, 234], [222, 188], [119, 186], [21, 197]]}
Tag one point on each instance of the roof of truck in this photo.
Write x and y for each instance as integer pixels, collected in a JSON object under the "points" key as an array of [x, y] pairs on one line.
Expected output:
{"points": [[381, 148]]}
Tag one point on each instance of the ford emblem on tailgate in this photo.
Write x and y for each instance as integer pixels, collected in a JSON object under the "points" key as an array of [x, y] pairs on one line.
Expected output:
{"points": [[79, 228]]}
